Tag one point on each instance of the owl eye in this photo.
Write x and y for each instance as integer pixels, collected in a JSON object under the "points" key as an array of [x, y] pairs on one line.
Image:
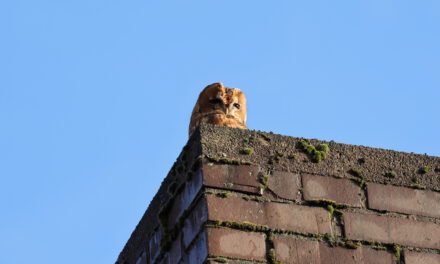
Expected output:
{"points": [[216, 101], [237, 106]]}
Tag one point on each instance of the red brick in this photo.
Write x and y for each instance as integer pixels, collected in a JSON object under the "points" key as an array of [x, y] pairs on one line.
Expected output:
{"points": [[290, 217], [342, 191], [403, 200], [412, 257], [298, 251], [292, 250], [194, 222], [240, 177], [183, 200], [284, 184], [175, 252], [236, 244], [392, 230], [198, 252], [154, 244], [142, 259]]}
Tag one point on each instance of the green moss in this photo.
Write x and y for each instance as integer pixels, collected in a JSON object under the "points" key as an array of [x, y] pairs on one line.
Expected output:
{"points": [[425, 169], [330, 209], [229, 161], [361, 182], [355, 172], [316, 154], [263, 179], [246, 226], [291, 156], [275, 158], [391, 175], [247, 151], [323, 147], [418, 186], [415, 179], [327, 204], [219, 259], [223, 194], [397, 251], [264, 135], [351, 244]]}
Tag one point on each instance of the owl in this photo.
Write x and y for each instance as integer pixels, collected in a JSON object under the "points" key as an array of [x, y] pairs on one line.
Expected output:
{"points": [[221, 106]]}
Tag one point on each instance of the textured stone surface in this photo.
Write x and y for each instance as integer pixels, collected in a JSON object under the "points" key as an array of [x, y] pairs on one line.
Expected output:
{"points": [[342, 191], [236, 244], [403, 200], [297, 251], [392, 230], [274, 215], [284, 184], [272, 154], [241, 178], [421, 258], [373, 163]]}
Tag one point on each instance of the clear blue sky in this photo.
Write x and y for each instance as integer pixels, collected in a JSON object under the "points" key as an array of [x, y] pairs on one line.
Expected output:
{"points": [[95, 99]]}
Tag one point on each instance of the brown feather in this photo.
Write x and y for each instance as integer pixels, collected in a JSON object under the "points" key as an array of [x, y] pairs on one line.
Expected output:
{"points": [[217, 105]]}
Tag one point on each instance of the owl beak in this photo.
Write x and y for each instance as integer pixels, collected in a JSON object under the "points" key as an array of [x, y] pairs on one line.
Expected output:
{"points": [[226, 107]]}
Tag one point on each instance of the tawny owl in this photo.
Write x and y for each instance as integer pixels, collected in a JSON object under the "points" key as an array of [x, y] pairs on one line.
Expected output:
{"points": [[220, 106]]}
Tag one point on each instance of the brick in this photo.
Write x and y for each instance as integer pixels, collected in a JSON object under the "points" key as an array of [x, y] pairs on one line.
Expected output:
{"points": [[142, 259], [412, 257], [234, 177], [183, 200], [175, 253], [392, 230], [298, 251], [290, 217], [198, 251], [403, 200], [154, 244], [236, 244], [342, 191], [194, 222], [284, 184]]}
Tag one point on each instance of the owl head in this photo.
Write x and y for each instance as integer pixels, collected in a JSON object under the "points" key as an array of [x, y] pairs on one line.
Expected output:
{"points": [[220, 105]]}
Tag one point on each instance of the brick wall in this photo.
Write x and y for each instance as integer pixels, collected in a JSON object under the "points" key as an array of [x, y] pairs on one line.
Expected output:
{"points": [[241, 196]]}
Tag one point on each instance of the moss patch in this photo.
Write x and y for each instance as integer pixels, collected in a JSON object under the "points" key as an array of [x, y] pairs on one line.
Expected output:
{"points": [[229, 161], [247, 151], [316, 154], [391, 175], [425, 169]]}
